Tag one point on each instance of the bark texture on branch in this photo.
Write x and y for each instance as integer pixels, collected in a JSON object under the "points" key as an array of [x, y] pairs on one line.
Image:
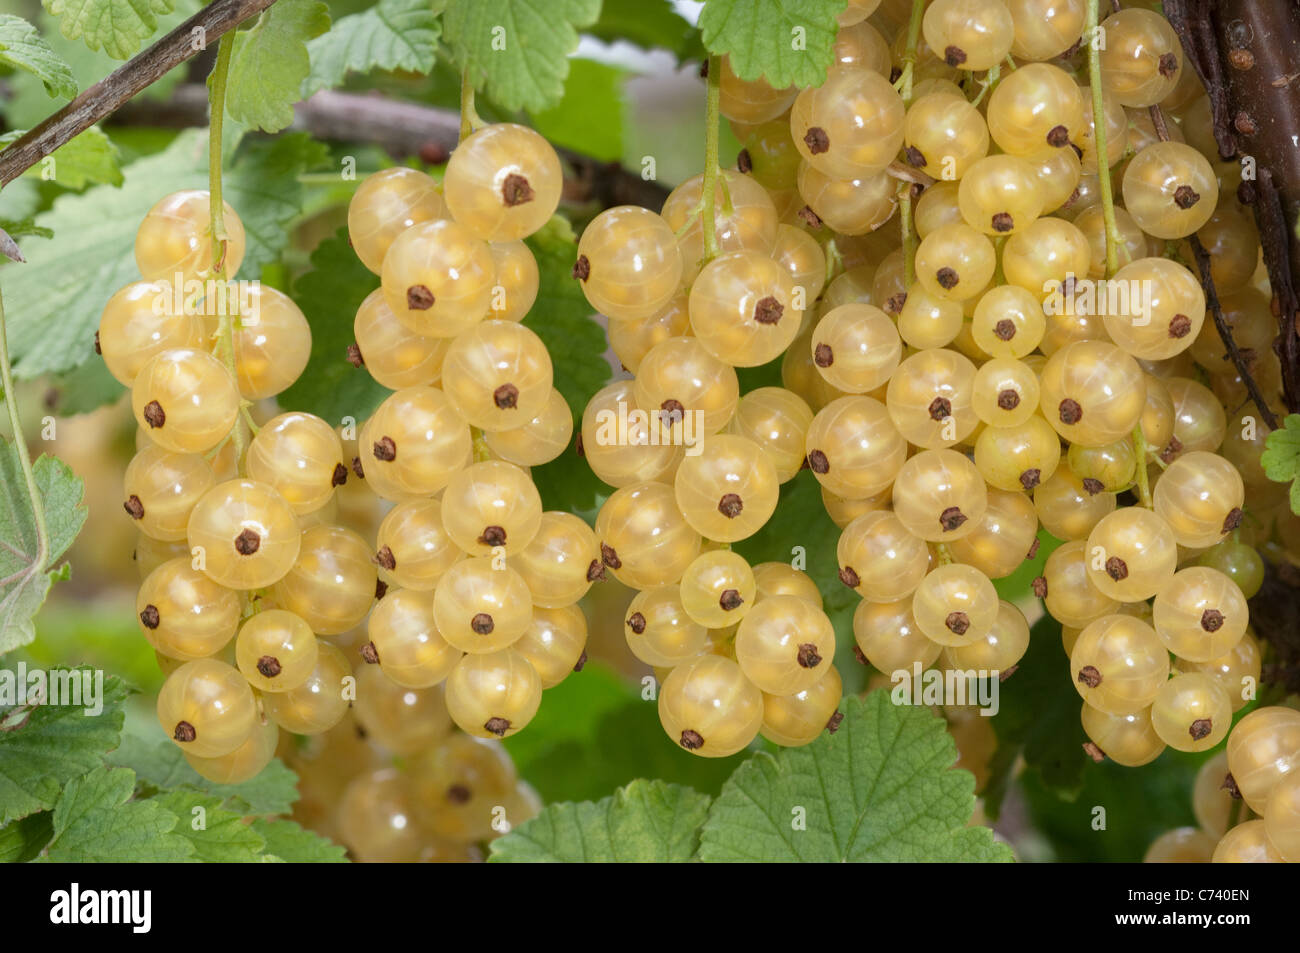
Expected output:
{"points": [[1247, 53], [124, 83], [404, 129]]}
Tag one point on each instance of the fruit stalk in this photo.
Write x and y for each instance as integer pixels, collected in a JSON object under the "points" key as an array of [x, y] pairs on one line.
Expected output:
{"points": [[710, 184], [1090, 28], [216, 207]]}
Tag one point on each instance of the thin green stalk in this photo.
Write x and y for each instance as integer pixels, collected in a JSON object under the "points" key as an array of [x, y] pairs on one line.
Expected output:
{"points": [[909, 236], [469, 117], [909, 54], [710, 184], [833, 260], [943, 554], [24, 457], [216, 206], [1099, 139], [990, 80], [1140, 451], [217, 99], [248, 418]]}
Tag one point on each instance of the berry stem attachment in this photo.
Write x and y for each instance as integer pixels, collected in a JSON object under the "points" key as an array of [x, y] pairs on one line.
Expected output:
{"points": [[1140, 450], [469, 117], [24, 457], [481, 450], [216, 210], [904, 84], [248, 418], [1090, 31], [709, 187], [834, 260], [909, 236], [943, 554], [990, 80]]}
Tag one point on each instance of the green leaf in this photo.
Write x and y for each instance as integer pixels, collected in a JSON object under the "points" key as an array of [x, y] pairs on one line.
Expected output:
{"points": [[26, 107], [116, 26], [82, 390], [596, 733], [1281, 457], [290, 842], [162, 765], [567, 483], [517, 49], [589, 119], [330, 295], [391, 35], [53, 302], [95, 821], [788, 42], [645, 822], [23, 840], [880, 789], [1140, 803], [41, 748], [24, 579], [218, 836], [652, 24], [563, 320], [801, 529], [23, 48], [89, 159], [27, 226], [1039, 719], [270, 62]]}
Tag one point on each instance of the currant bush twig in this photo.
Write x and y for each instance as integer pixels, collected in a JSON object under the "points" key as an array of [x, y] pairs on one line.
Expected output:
{"points": [[709, 186], [123, 84], [24, 457], [1214, 305], [216, 206], [1225, 332], [403, 130], [1090, 26]]}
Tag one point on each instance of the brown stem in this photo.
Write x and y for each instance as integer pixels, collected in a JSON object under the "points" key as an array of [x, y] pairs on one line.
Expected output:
{"points": [[1274, 239], [1245, 52], [1191, 21], [1213, 304], [1225, 332], [120, 86], [403, 129]]}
